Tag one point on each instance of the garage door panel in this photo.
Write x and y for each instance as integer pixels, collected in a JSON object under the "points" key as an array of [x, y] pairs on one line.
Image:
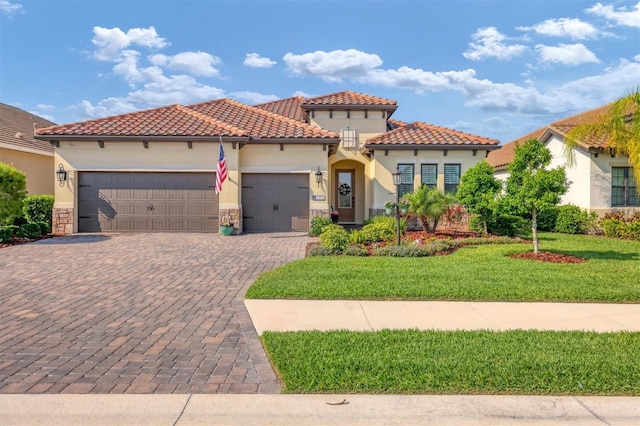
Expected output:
{"points": [[146, 202], [275, 202]]}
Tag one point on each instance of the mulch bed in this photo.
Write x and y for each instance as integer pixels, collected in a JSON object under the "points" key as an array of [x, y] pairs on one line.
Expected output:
{"points": [[424, 237], [545, 256]]}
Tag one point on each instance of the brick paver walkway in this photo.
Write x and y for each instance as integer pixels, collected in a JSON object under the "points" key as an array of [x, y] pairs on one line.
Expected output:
{"points": [[136, 313]]}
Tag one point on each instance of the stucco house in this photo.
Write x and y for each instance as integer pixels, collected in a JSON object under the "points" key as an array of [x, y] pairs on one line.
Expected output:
{"points": [[288, 161], [600, 180], [19, 148]]}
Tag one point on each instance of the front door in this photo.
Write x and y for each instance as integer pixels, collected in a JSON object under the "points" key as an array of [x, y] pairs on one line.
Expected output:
{"points": [[345, 195]]}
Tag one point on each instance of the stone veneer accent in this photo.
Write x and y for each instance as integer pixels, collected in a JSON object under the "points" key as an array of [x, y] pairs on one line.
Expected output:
{"points": [[62, 221], [234, 216]]}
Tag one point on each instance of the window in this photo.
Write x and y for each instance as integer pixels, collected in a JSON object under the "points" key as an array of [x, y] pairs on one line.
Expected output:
{"points": [[406, 179], [623, 188], [349, 138], [451, 178], [429, 175]]}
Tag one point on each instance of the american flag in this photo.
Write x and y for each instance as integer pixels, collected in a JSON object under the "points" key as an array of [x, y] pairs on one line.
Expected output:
{"points": [[221, 169]]}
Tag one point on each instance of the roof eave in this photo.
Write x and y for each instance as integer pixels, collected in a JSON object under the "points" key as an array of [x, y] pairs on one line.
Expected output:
{"points": [[295, 141], [340, 107], [127, 138], [372, 147]]}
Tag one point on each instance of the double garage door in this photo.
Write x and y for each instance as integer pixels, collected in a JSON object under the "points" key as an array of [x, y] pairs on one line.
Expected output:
{"points": [[141, 201]]}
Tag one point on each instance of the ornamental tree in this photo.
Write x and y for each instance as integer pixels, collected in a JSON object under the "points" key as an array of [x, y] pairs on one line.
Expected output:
{"points": [[531, 187], [429, 205], [478, 190], [13, 184]]}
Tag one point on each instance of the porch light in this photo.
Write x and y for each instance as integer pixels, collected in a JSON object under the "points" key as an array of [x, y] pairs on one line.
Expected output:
{"points": [[61, 175], [397, 180], [318, 176]]}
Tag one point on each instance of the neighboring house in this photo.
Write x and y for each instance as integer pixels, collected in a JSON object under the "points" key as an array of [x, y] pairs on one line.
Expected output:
{"points": [[19, 148], [288, 161], [600, 181]]}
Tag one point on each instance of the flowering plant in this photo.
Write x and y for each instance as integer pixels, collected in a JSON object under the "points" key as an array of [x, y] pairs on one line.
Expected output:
{"points": [[389, 204], [335, 213], [226, 223]]}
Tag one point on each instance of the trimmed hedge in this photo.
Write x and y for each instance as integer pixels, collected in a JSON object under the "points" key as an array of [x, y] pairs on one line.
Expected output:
{"points": [[38, 208]]}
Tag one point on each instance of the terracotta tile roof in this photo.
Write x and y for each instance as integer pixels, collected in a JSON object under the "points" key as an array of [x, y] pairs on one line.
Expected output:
{"points": [[565, 125], [260, 123], [503, 156], [419, 133], [290, 107], [347, 99], [173, 120], [16, 129], [393, 124]]}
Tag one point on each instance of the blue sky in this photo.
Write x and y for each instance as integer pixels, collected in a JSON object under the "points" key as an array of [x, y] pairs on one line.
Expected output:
{"points": [[498, 69]]}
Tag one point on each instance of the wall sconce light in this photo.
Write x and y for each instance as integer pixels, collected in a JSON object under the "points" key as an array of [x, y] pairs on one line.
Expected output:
{"points": [[318, 176], [61, 175]]}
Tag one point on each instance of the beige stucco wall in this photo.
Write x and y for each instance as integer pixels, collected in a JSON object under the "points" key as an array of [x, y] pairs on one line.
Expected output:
{"points": [[39, 169], [382, 182], [176, 157]]}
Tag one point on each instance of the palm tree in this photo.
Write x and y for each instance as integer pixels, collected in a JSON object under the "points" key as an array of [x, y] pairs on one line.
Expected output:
{"points": [[428, 205], [619, 126]]}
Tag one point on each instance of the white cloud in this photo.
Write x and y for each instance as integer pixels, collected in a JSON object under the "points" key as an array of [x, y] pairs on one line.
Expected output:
{"points": [[106, 107], [254, 98], [567, 54], [198, 63], [110, 42], [415, 79], [621, 16], [45, 107], [490, 43], [254, 60], [302, 94], [333, 66], [564, 27], [10, 8]]}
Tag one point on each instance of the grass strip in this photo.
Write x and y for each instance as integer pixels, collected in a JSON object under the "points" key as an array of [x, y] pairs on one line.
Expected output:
{"points": [[457, 362], [480, 273]]}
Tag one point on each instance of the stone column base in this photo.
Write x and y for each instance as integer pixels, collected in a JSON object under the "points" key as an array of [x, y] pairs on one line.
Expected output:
{"points": [[62, 221]]}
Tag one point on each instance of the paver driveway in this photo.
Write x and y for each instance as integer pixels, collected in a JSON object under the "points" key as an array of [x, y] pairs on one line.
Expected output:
{"points": [[136, 313]]}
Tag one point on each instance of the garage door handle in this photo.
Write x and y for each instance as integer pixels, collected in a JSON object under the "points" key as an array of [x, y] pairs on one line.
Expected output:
{"points": [[150, 207]]}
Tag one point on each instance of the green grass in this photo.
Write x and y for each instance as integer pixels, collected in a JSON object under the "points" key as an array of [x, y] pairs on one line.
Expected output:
{"points": [[457, 362], [482, 273]]}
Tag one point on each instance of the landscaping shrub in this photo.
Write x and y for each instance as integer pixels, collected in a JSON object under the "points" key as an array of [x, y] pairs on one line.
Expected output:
{"points": [[13, 189], [6, 234], [29, 230], [613, 228], [617, 225], [356, 236], [45, 227], [335, 238], [379, 231], [318, 224], [319, 251], [412, 250], [571, 220], [547, 219], [355, 251], [38, 208]]}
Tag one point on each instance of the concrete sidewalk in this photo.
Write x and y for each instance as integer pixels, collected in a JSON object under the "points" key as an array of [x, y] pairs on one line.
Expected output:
{"points": [[292, 315], [185, 410]]}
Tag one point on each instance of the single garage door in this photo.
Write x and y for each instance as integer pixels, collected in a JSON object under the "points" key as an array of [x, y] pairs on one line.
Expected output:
{"points": [[123, 201], [275, 202]]}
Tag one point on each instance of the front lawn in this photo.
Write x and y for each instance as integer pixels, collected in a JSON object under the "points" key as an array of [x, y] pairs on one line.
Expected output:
{"points": [[481, 273], [457, 362]]}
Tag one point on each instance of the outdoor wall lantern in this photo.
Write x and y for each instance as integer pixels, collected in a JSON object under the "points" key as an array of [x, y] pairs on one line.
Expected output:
{"points": [[61, 175], [318, 176], [397, 179]]}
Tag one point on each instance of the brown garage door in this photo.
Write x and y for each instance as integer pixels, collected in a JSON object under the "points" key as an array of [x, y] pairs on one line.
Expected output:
{"points": [[275, 202], [122, 201]]}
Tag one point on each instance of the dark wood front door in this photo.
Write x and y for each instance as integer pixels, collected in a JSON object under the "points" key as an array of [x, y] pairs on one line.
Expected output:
{"points": [[345, 197]]}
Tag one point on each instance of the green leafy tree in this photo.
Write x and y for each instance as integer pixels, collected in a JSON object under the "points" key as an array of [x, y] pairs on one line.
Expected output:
{"points": [[531, 187], [478, 190], [619, 126], [13, 189], [429, 205]]}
